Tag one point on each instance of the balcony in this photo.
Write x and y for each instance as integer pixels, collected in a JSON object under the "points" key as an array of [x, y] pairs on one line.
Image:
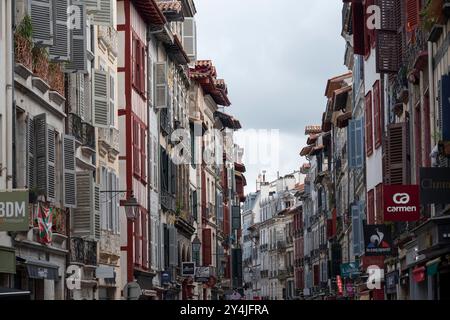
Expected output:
{"points": [[88, 136], [323, 247], [263, 247], [83, 252], [108, 139], [168, 201], [281, 245], [75, 126], [107, 37], [166, 123], [282, 274], [264, 274]]}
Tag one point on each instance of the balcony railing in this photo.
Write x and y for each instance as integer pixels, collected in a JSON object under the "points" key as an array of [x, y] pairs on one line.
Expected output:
{"points": [[263, 247], [281, 245], [166, 123], [22, 51], [109, 136], [75, 126], [108, 36], [168, 201], [88, 133], [83, 252], [264, 273]]}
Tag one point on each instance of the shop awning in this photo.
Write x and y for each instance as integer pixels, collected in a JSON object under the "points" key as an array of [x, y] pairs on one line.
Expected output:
{"points": [[433, 267], [419, 274], [14, 294], [38, 269]]}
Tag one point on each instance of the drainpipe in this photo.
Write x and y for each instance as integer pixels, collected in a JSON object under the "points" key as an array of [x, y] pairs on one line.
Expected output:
{"points": [[432, 105]]}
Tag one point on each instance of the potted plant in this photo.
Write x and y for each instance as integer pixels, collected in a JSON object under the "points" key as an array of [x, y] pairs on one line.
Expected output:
{"points": [[56, 77], [23, 43], [432, 14], [40, 63]]}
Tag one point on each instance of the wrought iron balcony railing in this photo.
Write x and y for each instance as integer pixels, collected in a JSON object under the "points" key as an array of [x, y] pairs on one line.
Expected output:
{"points": [[88, 133], [75, 126], [83, 251]]}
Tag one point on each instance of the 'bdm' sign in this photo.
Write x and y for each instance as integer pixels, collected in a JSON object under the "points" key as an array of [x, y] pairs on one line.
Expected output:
{"points": [[14, 211]]}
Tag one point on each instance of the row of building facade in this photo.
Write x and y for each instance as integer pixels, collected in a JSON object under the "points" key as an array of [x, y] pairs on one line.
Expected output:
{"points": [[117, 136], [368, 217]]}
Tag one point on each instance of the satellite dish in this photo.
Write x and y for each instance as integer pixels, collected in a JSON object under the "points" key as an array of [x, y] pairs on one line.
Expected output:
{"points": [[132, 291]]}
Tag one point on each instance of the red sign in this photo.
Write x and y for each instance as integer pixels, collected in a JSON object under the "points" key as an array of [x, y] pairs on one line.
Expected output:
{"points": [[339, 285], [401, 203]]}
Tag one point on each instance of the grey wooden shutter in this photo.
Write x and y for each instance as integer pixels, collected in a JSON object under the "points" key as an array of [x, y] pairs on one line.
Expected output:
{"points": [[81, 219], [104, 15], [190, 38], [111, 196], [161, 91], [101, 99], [60, 50], [51, 165], [92, 5], [31, 169], [70, 176], [40, 130], [78, 43], [41, 13], [356, 225], [173, 247], [112, 102]]}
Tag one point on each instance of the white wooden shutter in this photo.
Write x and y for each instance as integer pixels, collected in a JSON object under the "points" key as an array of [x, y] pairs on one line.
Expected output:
{"points": [[92, 5], [101, 99], [86, 217], [31, 164], [78, 43], [161, 91], [104, 15], [150, 76], [81, 218], [70, 176], [80, 88], [60, 50], [103, 199], [40, 130], [190, 38], [51, 165], [41, 13], [111, 198], [112, 99]]}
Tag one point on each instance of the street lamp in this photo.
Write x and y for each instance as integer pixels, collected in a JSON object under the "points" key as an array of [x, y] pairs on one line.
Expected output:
{"points": [[131, 208]]}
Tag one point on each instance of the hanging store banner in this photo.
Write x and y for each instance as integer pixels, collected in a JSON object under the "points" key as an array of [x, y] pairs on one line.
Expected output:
{"points": [[434, 186], [349, 270], [401, 203], [377, 240], [14, 214], [188, 269]]}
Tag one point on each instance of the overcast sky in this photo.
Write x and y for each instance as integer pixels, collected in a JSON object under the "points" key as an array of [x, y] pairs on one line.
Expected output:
{"points": [[276, 56]]}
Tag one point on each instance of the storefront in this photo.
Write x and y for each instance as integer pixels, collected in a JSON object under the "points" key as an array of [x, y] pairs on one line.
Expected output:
{"points": [[7, 267], [391, 282]]}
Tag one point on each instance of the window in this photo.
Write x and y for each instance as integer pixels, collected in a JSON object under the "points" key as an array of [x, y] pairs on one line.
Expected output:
{"points": [[136, 148], [371, 207], [379, 204], [111, 98], [138, 61], [377, 114], [369, 126], [143, 154]]}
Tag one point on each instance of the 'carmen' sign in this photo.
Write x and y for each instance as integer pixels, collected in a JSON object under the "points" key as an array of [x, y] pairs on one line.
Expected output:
{"points": [[401, 203], [434, 186], [14, 211]]}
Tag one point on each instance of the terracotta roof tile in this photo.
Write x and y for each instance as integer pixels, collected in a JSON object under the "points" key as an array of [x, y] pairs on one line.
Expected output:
{"points": [[169, 6], [313, 129]]}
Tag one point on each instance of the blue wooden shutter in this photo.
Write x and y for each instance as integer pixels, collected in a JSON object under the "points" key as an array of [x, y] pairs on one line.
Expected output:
{"points": [[356, 229]]}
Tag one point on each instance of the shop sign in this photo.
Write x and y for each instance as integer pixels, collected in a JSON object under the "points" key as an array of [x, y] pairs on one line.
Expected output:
{"points": [[434, 185], [401, 203], [349, 270], [391, 280], [202, 274], [377, 240], [14, 211], [188, 269]]}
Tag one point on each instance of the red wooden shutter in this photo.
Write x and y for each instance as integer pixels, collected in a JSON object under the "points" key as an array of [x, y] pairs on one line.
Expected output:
{"points": [[379, 204], [371, 207], [358, 19], [377, 114], [135, 59], [136, 147], [143, 154], [206, 244], [369, 125], [412, 14], [142, 74], [397, 148]]}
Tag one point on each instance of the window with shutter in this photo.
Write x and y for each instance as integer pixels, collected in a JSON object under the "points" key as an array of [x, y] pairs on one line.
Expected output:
{"points": [[173, 177], [103, 15], [78, 43], [104, 198], [161, 91], [412, 14], [155, 164], [358, 24], [86, 216], [136, 148], [173, 246], [397, 150], [112, 107], [145, 240], [41, 13], [190, 38], [379, 215], [206, 246], [426, 158], [143, 154], [356, 229], [41, 154], [150, 82], [369, 126], [69, 184], [60, 50], [101, 100], [80, 97], [138, 239], [377, 114], [51, 164], [31, 149], [371, 207], [143, 58], [418, 140]]}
